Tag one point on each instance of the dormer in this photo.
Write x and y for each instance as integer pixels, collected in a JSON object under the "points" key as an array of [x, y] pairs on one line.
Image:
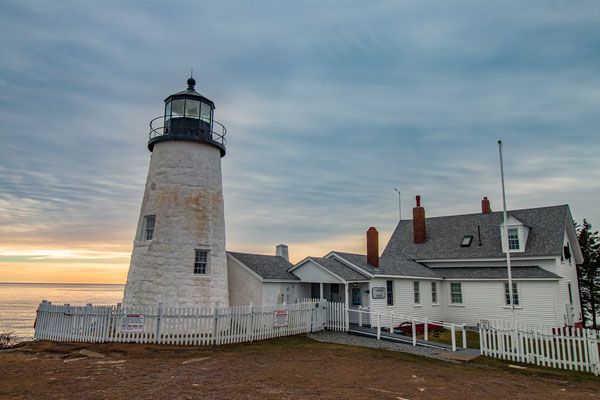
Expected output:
{"points": [[517, 235]]}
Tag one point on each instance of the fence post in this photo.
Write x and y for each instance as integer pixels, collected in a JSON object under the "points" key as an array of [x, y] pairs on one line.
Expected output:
{"points": [[414, 331], [158, 321], [359, 315], [378, 325], [426, 329], [464, 334], [453, 330]]}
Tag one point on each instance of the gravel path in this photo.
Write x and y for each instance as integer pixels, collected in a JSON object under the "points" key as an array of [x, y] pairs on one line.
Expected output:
{"points": [[356, 340]]}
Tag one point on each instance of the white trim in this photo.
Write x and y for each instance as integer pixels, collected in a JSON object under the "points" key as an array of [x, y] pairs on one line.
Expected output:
{"points": [[342, 280], [282, 281], [474, 260], [408, 277], [246, 267], [502, 279]]}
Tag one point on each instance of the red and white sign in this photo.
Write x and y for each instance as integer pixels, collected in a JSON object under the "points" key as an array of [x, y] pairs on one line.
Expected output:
{"points": [[132, 323], [281, 318]]}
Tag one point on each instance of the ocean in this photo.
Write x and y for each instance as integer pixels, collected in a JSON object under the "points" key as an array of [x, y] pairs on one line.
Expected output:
{"points": [[19, 301]]}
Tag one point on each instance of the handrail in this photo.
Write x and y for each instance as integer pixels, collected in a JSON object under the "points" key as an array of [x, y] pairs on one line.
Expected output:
{"points": [[217, 130]]}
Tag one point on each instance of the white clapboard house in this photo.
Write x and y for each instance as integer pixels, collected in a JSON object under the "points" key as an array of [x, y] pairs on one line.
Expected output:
{"points": [[450, 269]]}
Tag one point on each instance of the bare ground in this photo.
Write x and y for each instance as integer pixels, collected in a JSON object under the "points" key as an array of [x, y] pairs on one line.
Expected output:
{"points": [[286, 368]]}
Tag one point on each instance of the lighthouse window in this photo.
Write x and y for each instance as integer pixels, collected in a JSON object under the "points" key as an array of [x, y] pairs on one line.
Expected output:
{"points": [[201, 262], [192, 108], [177, 107], [205, 112], [168, 111], [149, 222]]}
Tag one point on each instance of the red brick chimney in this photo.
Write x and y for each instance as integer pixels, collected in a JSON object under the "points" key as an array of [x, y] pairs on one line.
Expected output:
{"points": [[419, 222], [485, 206], [373, 247]]}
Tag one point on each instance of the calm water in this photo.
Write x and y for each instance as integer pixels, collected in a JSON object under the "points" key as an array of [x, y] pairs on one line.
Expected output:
{"points": [[19, 301]]}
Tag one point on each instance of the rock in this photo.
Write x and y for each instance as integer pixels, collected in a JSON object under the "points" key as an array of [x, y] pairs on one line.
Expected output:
{"points": [[90, 353], [110, 362], [74, 359], [193, 360], [516, 366]]}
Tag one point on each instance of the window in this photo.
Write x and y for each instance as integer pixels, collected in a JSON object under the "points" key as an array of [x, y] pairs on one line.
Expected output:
{"points": [[456, 293], [168, 111], [356, 296], [177, 108], [390, 293], [513, 239], [570, 294], [149, 222], [417, 293], [205, 112], [507, 294], [434, 299], [201, 262], [567, 251], [466, 242], [192, 108]]}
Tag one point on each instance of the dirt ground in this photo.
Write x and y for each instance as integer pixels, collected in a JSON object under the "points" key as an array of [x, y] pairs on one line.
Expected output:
{"points": [[286, 368]]}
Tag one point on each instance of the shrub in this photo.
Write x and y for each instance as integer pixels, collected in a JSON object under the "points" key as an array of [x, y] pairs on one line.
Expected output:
{"points": [[7, 339]]}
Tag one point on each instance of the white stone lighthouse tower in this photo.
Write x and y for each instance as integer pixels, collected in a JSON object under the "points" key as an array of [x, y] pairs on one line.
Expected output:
{"points": [[178, 254]]}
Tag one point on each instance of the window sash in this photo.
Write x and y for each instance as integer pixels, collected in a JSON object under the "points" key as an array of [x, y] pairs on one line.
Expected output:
{"points": [[201, 262], [149, 222], [456, 293], [390, 293], [417, 293], [513, 239], [507, 294], [434, 298]]}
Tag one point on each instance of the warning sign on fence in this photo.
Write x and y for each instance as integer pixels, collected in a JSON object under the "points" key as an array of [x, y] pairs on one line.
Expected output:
{"points": [[281, 318], [132, 323]]}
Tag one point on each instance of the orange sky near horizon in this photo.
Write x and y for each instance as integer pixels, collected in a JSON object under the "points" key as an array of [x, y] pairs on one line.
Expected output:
{"points": [[83, 265]]}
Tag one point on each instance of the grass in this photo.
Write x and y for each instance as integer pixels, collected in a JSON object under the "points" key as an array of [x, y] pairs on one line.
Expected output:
{"points": [[7, 340], [445, 336]]}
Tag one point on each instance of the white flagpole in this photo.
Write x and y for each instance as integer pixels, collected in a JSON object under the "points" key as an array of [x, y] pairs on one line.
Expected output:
{"points": [[505, 240]]}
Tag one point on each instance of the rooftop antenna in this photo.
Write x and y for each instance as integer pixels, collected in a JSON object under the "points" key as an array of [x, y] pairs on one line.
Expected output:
{"points": [[399, 205]]}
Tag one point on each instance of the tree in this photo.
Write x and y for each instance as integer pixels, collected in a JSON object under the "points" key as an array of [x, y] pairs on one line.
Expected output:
{"points": [[589, 271]]}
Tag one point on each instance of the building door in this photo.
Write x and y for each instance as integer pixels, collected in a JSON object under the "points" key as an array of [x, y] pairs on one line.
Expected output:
{"points": [[334, 293]]}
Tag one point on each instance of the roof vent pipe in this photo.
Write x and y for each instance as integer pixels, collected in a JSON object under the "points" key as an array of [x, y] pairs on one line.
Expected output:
{"points": [[419, 222], [373, 247]]}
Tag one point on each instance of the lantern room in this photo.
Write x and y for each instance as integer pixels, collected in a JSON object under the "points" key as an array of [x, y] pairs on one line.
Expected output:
{"points": [[188, 116]]}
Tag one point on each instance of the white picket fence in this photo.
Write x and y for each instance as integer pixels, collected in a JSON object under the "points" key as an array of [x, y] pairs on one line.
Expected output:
{"points": [[182, 326], [556, 347]]}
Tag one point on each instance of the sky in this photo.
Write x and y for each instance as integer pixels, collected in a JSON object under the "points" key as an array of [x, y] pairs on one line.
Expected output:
{"points": [[329, 106]]}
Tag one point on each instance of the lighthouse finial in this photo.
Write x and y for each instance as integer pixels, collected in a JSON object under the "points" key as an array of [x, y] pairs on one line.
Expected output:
{"points": [[191, 81]]}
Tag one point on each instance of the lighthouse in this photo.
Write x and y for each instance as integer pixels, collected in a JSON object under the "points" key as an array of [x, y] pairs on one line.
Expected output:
{"points": [[178, 256]]}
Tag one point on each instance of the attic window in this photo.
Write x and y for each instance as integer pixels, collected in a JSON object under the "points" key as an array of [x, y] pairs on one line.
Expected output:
{"points": [[466, 242], [567, 251]]}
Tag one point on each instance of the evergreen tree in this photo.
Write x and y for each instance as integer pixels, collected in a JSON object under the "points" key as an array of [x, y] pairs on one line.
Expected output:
{"points": [[589, 271]]}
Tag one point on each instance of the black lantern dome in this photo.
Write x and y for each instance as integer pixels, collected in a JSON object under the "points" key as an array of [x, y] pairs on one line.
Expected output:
{"points": [[188, 116]]}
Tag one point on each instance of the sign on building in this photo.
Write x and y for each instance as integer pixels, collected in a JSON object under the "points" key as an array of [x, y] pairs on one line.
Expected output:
{"points": [[378, 292], [281, 318], [132, 323]]}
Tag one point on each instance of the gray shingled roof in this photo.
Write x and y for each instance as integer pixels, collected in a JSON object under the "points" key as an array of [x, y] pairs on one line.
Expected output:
{"points": [[494, 273], [444, 236], [389, 267], [267, 267], [340, 269]]}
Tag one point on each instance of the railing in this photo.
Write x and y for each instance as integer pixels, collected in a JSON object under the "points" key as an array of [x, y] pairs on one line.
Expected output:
{"points": [[215, 133], [556, 347], [169, 325], [390, 319]]}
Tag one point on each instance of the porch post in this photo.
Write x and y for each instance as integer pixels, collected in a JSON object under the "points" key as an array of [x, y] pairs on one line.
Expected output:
{"points": [[347, 306], [321, 291]]}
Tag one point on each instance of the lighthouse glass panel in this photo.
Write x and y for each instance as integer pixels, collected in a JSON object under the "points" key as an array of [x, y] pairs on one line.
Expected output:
{"points": [[167, 111], [177, 108], [205, 113], [192, 108]]}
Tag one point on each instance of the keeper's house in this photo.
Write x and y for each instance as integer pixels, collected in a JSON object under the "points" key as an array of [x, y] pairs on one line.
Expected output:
{"points": [[449, 268]]}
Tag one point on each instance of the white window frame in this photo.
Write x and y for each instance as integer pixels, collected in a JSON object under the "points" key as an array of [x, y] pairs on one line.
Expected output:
{"points": [[146, 229], [515, 238], [515, 294], [389, 294], [434, 292], [462, 296], [207, 262], [416, 293]]}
